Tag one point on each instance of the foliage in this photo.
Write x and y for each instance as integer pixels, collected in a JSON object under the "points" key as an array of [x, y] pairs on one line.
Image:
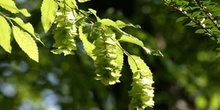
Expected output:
{"points": [[22, 32], [96, 47], [202, 14], [68, 23]]}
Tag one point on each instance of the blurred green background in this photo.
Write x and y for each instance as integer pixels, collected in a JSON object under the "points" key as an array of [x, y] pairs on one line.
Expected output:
{"points": [[186, 78]]}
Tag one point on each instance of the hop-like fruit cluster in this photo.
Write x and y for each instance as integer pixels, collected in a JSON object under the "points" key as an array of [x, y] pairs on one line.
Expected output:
{"points": [[106, 58], [64, 33]]}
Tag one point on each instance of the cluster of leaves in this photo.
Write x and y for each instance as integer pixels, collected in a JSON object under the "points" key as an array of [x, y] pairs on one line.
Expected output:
{"points": [[101, 40], [23, 33], [202, 14]]}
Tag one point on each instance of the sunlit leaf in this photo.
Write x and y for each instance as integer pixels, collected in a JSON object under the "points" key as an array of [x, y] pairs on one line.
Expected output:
{"points": [[131, 39], [86, 44], [48, 11], [5, 35], [26, 26], [26, 43], [10, 6], [82, 1]]}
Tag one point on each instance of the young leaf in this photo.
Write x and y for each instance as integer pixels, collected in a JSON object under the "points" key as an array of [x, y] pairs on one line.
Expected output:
{"points": [[94, 13], [5, 35], [48, 13], [82, 1], [181, 19], [120, 24], [131, 39], [26, 43], [26, 26], [110, 23], [10, 6], [86, 44], [142, 92], [25, 12]]}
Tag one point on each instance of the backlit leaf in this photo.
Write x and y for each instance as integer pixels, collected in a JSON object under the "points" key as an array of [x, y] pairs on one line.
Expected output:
{"points": [[86, 44], [10, 6], [26, 43], [131, 39], [82, 1], [48, 11], [26, 26], [5, 35]]}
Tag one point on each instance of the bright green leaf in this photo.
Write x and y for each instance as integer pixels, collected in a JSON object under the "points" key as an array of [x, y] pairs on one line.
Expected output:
{"points": [[86, 44], [120, 24], [26, 43], [26, 26], [94, 13], [120, 58], [48, 11], [109, 22], [10, 6], [136, 63], [25, 12], [82, 1], [5, 35], [131, 39]]}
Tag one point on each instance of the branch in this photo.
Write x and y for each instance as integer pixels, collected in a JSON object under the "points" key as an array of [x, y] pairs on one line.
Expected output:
{"points": [[208, 13], [193, 20]]}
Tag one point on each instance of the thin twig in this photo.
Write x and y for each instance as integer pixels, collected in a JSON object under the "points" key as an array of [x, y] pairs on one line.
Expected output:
{"points": [[208, 13]]}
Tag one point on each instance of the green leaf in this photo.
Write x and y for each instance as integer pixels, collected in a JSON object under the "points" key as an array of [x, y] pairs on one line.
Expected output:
{"points": [[200, 31], [120, 58], [25, 12], [82, 1], [181, 19], [48, 11], [136, 63], [120, 24], [94, 13], [10, 6], [86, 44], [131, 39], [26, 43], [142, 92], [114, 25], [196, 13], [109, 22], [136, 41], [5, 35], [26, 26]]}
